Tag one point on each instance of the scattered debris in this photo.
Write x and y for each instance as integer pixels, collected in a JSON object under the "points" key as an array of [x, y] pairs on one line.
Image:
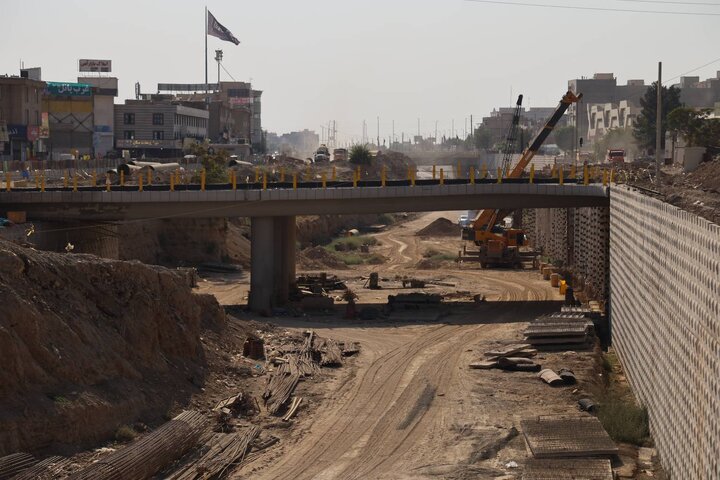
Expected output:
{"points": [[293, 409], [587, 405], [561, 330], [550, 377], [254, 348], [518, 364], [320, 283], [567, 375]]}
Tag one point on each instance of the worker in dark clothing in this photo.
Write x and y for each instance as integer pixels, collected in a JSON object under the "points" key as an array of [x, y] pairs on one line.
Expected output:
{"points": [[569, 297]]}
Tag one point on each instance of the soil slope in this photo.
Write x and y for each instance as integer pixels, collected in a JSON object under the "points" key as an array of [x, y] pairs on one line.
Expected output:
{"points": [[88, 344]]}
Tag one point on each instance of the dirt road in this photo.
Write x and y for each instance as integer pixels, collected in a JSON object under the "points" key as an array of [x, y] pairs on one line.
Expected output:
{"points": [[410, 407]]}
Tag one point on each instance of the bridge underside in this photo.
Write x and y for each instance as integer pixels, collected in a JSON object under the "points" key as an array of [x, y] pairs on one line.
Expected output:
{"points": [[118, 206]]}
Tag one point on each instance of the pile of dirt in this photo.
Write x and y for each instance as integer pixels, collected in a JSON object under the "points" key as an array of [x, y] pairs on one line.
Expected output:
{"points": [[317, 258], [442, 227], [697, 192], [89, 344]]}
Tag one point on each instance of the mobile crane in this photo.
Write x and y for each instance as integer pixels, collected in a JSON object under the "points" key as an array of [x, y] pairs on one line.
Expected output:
{"points": [[500, 245]]}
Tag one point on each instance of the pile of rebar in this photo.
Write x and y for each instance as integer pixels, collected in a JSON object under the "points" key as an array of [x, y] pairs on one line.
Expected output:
{"points": [[330, 353], [45, 470], [281, 385], [222, 451], [151, 453], [15, 463]]}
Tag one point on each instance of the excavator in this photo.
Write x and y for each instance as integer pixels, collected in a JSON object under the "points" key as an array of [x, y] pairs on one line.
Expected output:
{"points": [[499, 245]]}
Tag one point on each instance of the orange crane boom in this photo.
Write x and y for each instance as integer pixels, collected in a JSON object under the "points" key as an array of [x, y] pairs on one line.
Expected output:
{"points": [[486, 219]]}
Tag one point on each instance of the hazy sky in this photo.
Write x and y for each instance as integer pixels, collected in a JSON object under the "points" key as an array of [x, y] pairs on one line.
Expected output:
{"points": [[352, 60]]}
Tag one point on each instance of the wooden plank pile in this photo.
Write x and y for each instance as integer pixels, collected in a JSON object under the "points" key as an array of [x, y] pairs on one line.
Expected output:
{"points": [[151, 453], [330, 353], [562, 330]]}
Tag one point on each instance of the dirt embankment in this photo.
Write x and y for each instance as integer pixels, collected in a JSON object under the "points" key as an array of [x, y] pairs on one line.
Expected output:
{"points": [[442, 227], [88, 344], [697, 192], [315, 230]]}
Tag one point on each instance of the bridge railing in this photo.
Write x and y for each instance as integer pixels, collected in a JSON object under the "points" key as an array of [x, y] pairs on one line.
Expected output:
{"points": [[270, 178]]}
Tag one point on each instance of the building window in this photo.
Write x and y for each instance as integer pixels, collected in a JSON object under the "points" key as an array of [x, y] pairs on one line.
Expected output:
{"points": [[129, 118], [27, 116], [158, 119], [37, 117], [158, 135], [129, 135]]}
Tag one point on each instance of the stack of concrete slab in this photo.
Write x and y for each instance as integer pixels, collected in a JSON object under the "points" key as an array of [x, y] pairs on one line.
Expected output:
{"points": [[567, 447], [562, 330]]}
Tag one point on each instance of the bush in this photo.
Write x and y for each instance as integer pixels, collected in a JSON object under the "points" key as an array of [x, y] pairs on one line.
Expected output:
{"points": [[624, 420], [125, 434], [360, 155], [347, 244]]}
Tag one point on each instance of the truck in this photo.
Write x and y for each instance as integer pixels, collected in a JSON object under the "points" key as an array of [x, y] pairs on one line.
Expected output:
{"points": [[615, 155], [322, 154], [498, 244], [340, 155]]}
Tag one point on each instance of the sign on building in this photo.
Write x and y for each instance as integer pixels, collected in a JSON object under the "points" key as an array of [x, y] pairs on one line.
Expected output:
{"points": [[240, 101], [69, 89], [45, 125], [88, 65]]}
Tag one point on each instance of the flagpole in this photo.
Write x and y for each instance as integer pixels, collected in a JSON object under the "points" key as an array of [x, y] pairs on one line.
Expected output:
{"points": [[206, 59]]}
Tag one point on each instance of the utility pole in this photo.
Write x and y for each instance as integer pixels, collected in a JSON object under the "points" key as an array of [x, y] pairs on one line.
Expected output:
{"points": [[658, 125], [418, 126], [393, 133], [436, 124], [452, 130], [472, 130], [378, 132]]}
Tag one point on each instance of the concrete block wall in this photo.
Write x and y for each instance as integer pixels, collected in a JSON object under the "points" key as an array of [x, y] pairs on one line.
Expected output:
{"points": [[576, 237], [665, 314]]}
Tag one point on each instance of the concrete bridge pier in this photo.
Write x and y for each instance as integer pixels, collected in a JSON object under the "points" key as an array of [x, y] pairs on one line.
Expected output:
{"points": [[272, 269]]}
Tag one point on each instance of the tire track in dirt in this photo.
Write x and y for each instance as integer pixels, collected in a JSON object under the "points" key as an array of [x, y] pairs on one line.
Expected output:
{"points": [[375, 390]]}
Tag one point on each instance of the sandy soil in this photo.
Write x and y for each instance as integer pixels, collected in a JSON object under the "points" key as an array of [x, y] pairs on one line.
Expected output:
{"points": [[408, 407]]}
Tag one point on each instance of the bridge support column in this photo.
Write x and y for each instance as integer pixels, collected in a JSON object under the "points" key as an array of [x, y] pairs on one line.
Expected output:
{"points": [[272, 268]]}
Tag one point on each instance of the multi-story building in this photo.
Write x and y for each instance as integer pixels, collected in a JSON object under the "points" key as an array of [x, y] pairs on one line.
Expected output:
{"points": [[603, 117], [235, 109], [601, 89], [105, 89], [71, 118], [21, 113], [158, 128], [697, 94], [300, 144]]}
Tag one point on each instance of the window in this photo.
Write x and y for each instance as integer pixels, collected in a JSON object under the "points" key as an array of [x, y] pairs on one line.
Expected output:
{"points": [[37, 117], [27, 116], [129, 118], [158, 135], [158, 119], [129, 134]]}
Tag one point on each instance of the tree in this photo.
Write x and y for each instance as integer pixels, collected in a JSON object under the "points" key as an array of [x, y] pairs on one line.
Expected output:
{"points": [[565, 138], [215, 164], [483, 138], [694, 125], [644, 129], [360, 155]]}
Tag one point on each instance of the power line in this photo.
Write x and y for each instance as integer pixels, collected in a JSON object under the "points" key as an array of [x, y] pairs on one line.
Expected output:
{"points": [[711, 4], [595, 9]]}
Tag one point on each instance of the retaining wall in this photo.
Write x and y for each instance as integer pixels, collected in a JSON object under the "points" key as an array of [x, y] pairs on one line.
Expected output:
{"points": [[577, 239], [665, 314]]}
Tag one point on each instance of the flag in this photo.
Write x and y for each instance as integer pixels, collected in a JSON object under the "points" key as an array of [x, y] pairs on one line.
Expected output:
{"points": [[215, 29]]}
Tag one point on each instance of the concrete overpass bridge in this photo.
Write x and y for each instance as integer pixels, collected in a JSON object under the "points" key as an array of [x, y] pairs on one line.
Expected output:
{"points": [[272, 209]]}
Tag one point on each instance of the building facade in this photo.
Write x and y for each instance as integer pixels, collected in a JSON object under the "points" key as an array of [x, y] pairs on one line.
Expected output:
{"points": [[601, 89], [699, 94], [607, 116], [105, 90], [21, 114], [158, 128], [70, 118]]}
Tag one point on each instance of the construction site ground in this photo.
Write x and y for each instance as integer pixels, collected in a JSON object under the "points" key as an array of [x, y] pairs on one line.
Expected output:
{"points": [[408, 406]]}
